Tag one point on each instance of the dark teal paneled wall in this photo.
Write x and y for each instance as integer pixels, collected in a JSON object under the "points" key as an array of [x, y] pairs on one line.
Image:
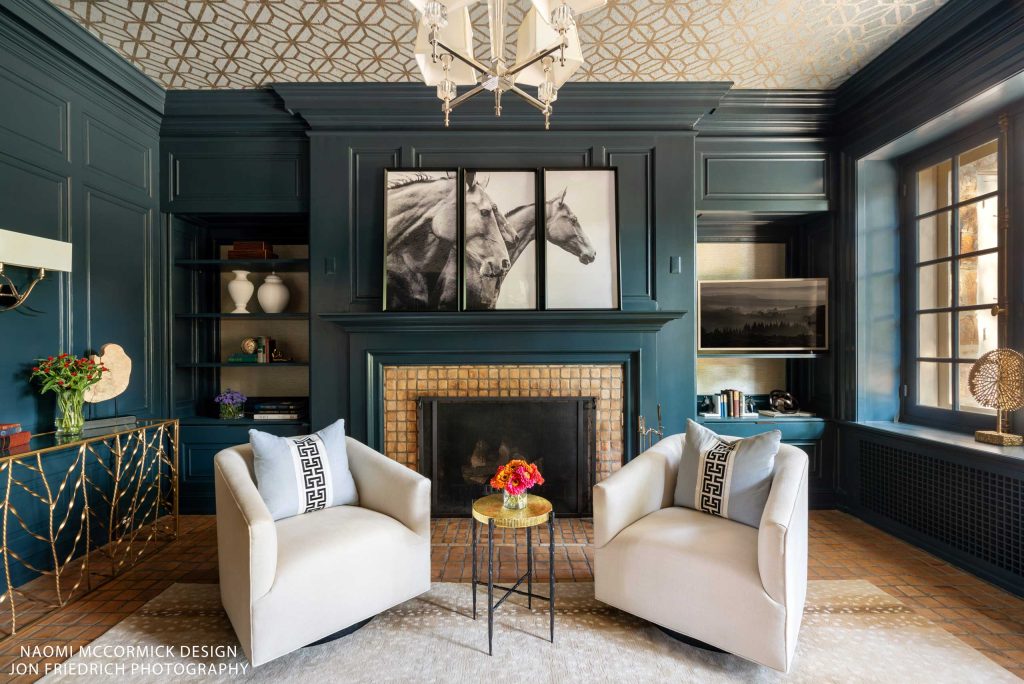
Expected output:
{"points": [[78, 150]]}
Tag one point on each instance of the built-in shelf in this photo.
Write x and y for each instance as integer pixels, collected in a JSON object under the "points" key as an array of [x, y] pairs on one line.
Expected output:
{"points": [[246, 264], [249, 316], [238, 422], [761, 355], [759, 419], [518, 321], [217, 364]]}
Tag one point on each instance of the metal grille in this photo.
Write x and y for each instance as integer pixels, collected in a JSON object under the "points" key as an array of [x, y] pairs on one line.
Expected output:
{"points": [[974, 511]]}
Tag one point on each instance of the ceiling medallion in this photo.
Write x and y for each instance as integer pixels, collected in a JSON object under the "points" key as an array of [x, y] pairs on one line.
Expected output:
{"points": [[548, 51]]}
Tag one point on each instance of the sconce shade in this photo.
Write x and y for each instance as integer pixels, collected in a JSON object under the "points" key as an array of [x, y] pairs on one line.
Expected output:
{"points": [[535, 35], [458, 35], [544, 7], [29, 251]]}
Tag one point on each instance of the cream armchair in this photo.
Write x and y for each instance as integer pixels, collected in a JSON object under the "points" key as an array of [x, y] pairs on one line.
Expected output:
{"points": [[729, 585], [290, 583]]}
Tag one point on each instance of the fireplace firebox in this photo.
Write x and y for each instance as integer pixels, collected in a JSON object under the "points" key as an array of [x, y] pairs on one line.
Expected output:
{"points": [[462, 441]]}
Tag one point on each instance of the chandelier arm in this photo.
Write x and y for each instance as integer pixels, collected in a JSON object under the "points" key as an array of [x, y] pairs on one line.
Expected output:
{"points": [[529, 98], [476, 90], [468, 61], [532, 59], [17, 297]]}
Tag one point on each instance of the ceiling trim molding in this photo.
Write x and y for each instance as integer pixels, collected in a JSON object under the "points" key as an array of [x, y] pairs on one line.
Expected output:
{"points": [[773, 112], [228, 113], [74, 41], [960, 51], [580, 106]]}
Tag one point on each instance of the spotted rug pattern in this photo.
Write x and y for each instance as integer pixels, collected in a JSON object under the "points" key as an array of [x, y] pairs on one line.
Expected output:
{"points": [[852, 632]]}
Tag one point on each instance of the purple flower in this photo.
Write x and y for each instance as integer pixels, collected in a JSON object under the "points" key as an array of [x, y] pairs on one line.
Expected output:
{"points": [[230, 397]]}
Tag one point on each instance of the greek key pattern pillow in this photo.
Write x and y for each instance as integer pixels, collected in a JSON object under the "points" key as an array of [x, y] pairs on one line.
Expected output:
{"points": [[726, 476], [713, 478], [297, 475]]}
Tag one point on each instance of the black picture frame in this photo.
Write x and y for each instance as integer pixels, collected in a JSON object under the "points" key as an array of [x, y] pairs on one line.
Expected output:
{"points": [[746, 341], [437, 285], [554, 286], [480, 292]]}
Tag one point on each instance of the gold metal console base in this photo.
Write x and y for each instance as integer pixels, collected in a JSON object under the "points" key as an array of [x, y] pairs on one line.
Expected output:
{"points": [[78, 512]]}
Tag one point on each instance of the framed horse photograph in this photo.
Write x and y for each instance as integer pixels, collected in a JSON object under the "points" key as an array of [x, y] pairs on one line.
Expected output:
{"points": [[581, 239], [499, 229], [421, 240]]}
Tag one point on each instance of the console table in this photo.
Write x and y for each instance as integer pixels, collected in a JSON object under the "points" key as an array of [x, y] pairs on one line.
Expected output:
{"points": [[77, 512]]}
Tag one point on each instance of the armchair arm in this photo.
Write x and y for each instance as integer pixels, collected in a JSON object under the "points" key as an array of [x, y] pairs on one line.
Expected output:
{"points": [[782, 535], [246, 535], [642, 486], [388, 487]]}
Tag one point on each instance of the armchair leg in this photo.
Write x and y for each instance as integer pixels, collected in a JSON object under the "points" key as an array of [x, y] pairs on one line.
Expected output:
{"points": [[690, 641], [341, 633]]}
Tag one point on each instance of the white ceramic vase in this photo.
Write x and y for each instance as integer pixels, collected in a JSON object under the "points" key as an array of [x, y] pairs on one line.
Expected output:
{"points": [[240, 290], [273, 294]]}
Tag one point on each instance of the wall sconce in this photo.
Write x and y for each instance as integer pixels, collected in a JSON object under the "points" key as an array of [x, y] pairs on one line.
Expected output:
{"points": [[28, 251]]}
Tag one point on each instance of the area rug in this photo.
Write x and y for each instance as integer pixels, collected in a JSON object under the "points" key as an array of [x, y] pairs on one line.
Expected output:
{"points": [[852, 632]]}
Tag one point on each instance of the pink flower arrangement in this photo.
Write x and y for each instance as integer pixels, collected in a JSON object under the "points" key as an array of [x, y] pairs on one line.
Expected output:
{"points": [[516, 476]]}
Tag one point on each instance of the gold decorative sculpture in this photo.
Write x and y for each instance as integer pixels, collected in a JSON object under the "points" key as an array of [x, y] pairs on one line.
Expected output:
{"points": [[997, 381]]}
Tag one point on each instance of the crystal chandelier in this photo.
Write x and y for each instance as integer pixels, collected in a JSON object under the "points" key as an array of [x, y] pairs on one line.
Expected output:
{"points": [[548, 51]]}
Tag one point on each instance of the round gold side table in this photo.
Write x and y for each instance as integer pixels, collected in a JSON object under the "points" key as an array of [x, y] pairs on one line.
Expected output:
{"points": [[490, 511]]}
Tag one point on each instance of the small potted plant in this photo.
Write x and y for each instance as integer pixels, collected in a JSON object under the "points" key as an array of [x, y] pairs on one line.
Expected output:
{"points": [[514, 479], [68, 377], [231, 403]]}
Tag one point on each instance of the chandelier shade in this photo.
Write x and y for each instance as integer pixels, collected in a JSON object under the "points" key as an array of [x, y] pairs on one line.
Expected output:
{"points": [[535, 35], [458, 35]]}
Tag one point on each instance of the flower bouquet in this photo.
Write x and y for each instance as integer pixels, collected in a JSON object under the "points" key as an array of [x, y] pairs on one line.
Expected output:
{"points": [[68, 376], [231, 403], [514, 479]]}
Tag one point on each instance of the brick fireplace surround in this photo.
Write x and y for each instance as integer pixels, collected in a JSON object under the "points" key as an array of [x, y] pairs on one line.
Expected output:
{"points": [[403, 385]]}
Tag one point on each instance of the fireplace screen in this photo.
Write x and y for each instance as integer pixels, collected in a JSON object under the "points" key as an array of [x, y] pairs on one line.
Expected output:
{"points": [[462, 441]]}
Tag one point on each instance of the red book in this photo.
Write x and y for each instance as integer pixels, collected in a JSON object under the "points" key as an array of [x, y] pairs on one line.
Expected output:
{"points": [[7, 426], [16, 440]]}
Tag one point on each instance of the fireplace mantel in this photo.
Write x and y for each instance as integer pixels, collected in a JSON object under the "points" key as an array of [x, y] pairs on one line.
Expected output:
{"points": [[511, 321]]}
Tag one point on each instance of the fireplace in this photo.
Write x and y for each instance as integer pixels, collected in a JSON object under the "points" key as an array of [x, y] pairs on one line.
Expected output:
{"points": [[462, 440]]}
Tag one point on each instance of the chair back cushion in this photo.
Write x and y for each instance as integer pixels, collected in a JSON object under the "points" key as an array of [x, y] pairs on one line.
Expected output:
{"points": [[302, 474], [726, 476]]}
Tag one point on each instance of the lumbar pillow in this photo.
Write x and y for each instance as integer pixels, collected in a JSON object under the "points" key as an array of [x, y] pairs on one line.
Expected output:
{"points": [[726, 476], [298, 475]]}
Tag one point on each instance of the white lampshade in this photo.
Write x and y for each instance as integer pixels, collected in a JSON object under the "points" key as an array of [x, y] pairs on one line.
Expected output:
{"points": [[535, 36], [458, 35], [544, 7], [29, 251]]}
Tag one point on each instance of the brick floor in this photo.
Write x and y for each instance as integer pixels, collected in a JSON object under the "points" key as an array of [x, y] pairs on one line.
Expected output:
{"points": [[841, 547]]}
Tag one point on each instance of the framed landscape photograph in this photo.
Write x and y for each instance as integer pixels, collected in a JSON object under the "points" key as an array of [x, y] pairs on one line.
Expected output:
{"points": [[421, 233], [499, 247], [773, 315], [581, 231]]}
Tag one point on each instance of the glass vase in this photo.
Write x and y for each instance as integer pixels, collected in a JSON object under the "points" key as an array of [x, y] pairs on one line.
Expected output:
{"points": [[514, 501], [230, 411], [69, 419]]}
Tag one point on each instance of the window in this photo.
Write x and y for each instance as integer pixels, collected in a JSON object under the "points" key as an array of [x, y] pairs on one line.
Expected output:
{"points": [[951, 248]]}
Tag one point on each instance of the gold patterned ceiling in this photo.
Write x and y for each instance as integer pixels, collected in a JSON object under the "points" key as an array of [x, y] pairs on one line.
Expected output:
{"points": [[814, 44]]}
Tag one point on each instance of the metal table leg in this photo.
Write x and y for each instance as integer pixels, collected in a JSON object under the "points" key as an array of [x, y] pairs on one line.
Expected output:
{"points": [[490, 587], [473, 531], [529, 567], [551, 572]]}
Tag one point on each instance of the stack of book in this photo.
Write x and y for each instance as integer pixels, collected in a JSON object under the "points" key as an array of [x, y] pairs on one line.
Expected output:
{"points": [[255, 249], [12, 436], [731, 403], [279, 409]]}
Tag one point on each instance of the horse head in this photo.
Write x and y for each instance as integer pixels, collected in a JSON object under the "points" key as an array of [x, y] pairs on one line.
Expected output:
{"points": [[563, 229], [485, 242]]}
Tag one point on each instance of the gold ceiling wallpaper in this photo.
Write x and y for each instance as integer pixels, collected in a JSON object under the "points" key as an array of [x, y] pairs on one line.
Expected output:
{"points": [[250, 43]]}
